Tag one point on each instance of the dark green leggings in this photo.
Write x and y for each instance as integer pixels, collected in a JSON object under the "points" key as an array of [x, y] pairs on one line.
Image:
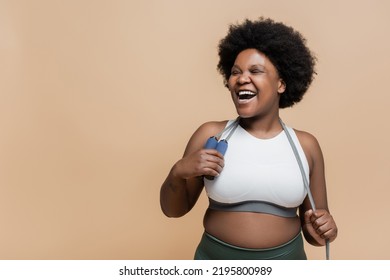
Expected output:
{"points": [[211, 248]]}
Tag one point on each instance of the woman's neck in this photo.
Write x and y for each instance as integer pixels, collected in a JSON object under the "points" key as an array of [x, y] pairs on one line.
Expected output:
{"points": [[262, 127]]}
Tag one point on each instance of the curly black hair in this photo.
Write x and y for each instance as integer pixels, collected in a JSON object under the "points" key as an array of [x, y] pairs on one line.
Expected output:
{"points": [[285, 48]]}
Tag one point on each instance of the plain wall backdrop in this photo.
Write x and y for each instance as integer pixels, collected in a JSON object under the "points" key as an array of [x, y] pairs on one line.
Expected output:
{"points": [[99, 98]]}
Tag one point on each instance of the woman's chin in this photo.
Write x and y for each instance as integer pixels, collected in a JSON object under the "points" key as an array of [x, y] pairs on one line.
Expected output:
{"points": [[245, 113]]}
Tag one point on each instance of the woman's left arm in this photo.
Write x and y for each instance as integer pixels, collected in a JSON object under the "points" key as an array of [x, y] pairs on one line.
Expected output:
{"points": [[318, 226]]}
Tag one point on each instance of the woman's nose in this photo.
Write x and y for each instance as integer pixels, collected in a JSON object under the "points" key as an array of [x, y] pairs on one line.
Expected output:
{"points": [[244, 78]]}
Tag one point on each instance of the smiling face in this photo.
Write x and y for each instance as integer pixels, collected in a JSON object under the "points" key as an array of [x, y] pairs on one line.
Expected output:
{"points": [[255, 85]]}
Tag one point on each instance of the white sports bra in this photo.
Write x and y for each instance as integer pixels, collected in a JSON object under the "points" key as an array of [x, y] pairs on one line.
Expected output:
{"points": [[260, 175]]}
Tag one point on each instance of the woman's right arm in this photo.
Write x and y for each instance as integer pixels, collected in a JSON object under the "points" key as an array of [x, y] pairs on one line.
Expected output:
{"points": [[184, 183]]}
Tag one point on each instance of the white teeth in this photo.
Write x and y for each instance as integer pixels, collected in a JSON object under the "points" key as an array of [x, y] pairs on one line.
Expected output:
{"points": [[246, 92]]}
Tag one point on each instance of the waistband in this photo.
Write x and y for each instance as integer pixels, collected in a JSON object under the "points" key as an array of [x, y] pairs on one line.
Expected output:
{"points": [[212, 248]]}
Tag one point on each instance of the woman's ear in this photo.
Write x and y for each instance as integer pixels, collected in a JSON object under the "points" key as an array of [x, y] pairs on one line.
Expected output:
{"points": [[281, 86]]}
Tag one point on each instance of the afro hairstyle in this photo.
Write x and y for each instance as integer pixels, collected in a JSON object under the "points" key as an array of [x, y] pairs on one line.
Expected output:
{"points": [[285, 48]]}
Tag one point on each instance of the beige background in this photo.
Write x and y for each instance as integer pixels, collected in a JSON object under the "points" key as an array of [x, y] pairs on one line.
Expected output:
{"points": [[99, 98]]}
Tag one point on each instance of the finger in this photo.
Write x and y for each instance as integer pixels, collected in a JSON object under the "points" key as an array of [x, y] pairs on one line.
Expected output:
{"points": [[307, 216], [321, 225], [211, 172], [211, 166], [322, 218], [329, 234], [325, 226], [319, 217], [210, 159], [214, 166], [319, 213], [320, 229], [214, 153]]}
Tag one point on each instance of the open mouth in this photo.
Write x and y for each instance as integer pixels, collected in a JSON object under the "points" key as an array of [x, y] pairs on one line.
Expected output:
{"points": [[246, 95]]}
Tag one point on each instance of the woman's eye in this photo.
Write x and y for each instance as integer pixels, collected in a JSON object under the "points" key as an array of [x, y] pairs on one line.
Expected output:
{"points": [[235, 72], [256, 71]]}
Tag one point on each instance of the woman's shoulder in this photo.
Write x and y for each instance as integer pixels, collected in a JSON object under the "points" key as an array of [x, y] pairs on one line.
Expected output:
{"points": [[306, 137], [212, 127], [310, 145], [203, 132]]}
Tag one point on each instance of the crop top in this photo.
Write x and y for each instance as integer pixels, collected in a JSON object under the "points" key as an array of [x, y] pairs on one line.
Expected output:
{"points": [[260, 175]]}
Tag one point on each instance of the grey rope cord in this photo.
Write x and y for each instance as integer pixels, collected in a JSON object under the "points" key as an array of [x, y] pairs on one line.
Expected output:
{"points": [[305, 182], [231, 127], [236, 122]]}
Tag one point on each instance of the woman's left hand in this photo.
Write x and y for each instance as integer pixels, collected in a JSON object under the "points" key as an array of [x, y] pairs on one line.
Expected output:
{"points": [[320, 225]]}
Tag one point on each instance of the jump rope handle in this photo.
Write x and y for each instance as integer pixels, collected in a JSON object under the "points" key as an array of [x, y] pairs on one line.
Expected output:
{"points": [[221, 146], [211, 143]]}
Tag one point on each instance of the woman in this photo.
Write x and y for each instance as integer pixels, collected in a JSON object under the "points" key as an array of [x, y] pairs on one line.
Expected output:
{"points": [[257, 187]]}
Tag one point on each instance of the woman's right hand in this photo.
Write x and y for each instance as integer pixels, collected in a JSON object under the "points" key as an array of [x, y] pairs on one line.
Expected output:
{"points": [[184, 183], [204, 162]]}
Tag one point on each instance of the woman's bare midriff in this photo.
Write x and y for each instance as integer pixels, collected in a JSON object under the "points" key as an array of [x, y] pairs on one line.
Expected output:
{"points": [[251, 230]]}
